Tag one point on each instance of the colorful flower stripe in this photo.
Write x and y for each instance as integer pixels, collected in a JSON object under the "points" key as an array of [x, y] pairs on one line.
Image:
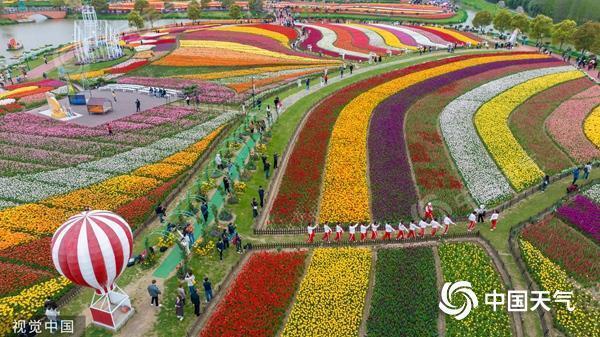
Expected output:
{"points": [[44, 157], [159, 171], [584, 214], [593, 193], [383, 38], [9, 238], [527, 125], [392, 187], [126, 67], [583, 320], [88, 74], [259, 296], [289, 32], [281, 38], [450, 35], [562, 125], [321, 40], [35, 253], [437, 179], [402, 36], [428, 35], [469, 262], [567, 247], [14, 277], [17, 91], [345, 195], [353, 39], [41, 83], [245, 86], [28, 302], [492, 124], [320, 310], [410, 37], [483, 178], [241, 72], [39, 90], [591, 127], [137, 210]]}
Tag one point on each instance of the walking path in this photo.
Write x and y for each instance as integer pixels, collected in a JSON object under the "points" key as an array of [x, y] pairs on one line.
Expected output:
{"points": [[54, 63]]}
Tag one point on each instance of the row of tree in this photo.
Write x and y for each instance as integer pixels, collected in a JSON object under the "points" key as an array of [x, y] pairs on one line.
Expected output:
{"points": [[578, 10], [585, 37]]}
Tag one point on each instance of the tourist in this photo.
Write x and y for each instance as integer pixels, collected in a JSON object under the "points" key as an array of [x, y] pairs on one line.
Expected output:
{"points": [[254, 206], [388, 232], [237, 240], [363, 231], [195, 299], [189, 231], [429, 211], [220, 248], [481, 213], [586, 170], [341, 71], [161, 212], [447, 222], [307, 84], [401, 231], [575, 175], [545, 182], [219, 161], [269, 116], [374, 228], [434, 226], [351, 68], [225, 238], [261, 195], [327, 233], [311, 232], [494, 219], [114, 95], [412, 229], [422, 227], [181, 293], [52, 316], [190, 280], [472, 221], [299, 83], [204, 211], [275, 160], [187, 100], [179, 307], [267, 170], [226, 185], [154, 292], [138, 105], [326, 78], [352, 233], [207, 289], [338, 232]]}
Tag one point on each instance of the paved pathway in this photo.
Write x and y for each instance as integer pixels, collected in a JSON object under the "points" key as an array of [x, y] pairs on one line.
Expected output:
{"points": [[54, 63]]}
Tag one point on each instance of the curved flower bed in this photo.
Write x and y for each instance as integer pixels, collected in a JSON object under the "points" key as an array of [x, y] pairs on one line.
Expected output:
{"points": [[208, 92], [429, 35], [468, 261], [384, 38], [492, 124], [250, 29], [401, 276], [353, 39], [591, 127], [320, 310], [321, 40], [526, 123], [560, 125], [583, 320], [593, 193], [567, 247], [258, 297], [584, 214], [405, 36], [290, 32], [480, 173]]}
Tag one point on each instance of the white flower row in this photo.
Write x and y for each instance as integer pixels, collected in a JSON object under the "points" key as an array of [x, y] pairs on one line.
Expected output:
{"points": [[28, 191], [72, 177], [482, 176], [329, 37], [200, 131], [7, 101], [374, 38], [7, 204], [172, 144], [419, 38], [593, 193]]}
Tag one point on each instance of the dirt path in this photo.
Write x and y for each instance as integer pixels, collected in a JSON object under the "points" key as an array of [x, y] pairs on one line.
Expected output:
{"points": [[367, 309], [441, 323]]}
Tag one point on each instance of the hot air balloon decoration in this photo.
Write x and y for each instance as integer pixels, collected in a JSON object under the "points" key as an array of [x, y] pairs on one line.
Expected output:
{"points": [[92, 249]]}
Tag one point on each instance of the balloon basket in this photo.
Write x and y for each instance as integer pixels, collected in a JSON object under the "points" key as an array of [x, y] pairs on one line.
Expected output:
{"points": [[111, 310]]}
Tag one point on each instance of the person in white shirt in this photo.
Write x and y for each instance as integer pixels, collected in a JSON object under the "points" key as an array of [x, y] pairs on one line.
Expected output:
{"points": [[218, 161], [447, 223], [338, 232], [434, 226], [422, 226], [352, 233], [388, 231], [472, 221], [326, 233], [412, 228], [401, 231], [363, 231], [429, 211], [494, 219], [374, 227], [311, 232]]}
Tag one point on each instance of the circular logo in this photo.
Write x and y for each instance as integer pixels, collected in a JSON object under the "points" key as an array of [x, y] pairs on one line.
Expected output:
{"points": [[461, 287]]}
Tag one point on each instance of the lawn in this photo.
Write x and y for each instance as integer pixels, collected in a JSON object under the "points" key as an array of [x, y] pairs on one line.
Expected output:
{"points": [[480, 5], [460, 17]]}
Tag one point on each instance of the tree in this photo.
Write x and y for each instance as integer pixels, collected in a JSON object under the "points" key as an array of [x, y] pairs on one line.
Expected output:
{"points": [[73, 4], [194, 11], [540, 27], [226, 4], [135, 20], [235, 12], [99, 5], [502, 20], [586, 36], [151, 14], [255, 6], [204, 4], [58, 3], [169, 6], [482, 19], [563, 31], [141, 5], [520, 22]]}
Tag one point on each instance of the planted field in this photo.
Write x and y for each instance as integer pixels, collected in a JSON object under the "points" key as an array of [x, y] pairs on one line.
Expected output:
{"points": [[584, 214]]}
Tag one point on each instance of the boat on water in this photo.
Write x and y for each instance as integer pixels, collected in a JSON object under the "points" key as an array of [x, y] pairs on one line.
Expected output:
{"points": [[14, 45]]}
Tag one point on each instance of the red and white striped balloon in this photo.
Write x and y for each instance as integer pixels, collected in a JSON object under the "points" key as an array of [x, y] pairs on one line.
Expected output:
{"points": [[92, 249]]}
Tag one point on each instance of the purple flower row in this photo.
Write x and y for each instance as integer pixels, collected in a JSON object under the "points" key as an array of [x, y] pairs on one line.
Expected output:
{"points": [[54, 158], [10, 167], [41, 126], [61, 144], [584, 214]]}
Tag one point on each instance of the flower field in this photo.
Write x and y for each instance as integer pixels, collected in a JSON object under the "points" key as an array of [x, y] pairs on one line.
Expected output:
{"points": [[582, 321], [404, 301], [258, 298], [582, 213], [593, 193], [565, 246], [591, 127], [331, 296], [573, 112], [468, 261]]}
